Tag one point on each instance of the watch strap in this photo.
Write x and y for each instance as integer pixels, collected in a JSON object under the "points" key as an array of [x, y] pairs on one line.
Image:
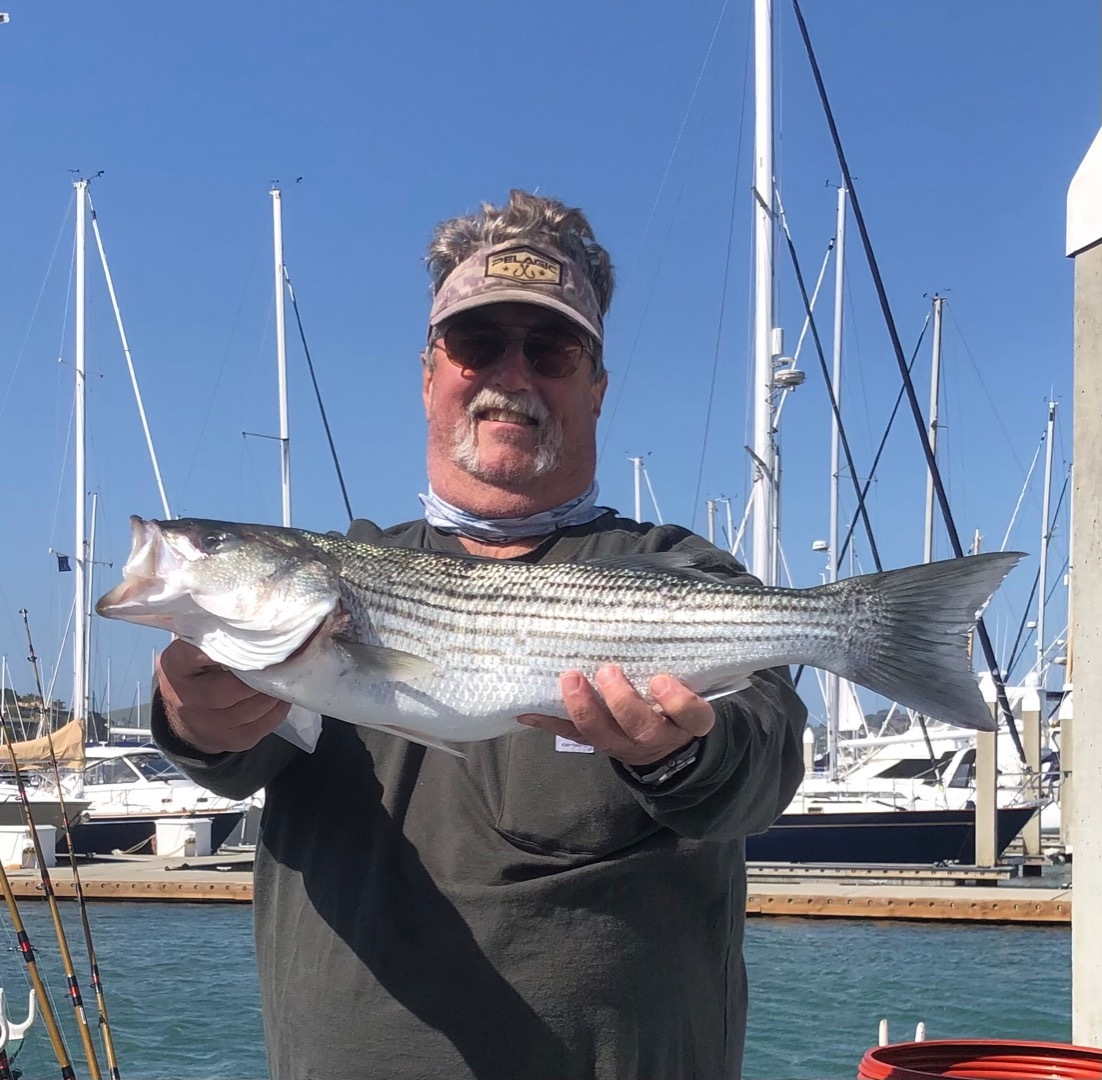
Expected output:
{"points": [[659, 772]]}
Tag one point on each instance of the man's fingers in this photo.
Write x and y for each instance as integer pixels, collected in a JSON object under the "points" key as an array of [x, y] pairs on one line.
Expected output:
{"points": [[628, 727], [246, 735], [592, 714], [556, 725], [615, 719], [253, 709], [634, 718], [191, 674], [211, 708], [182, 658], [681, 706]]}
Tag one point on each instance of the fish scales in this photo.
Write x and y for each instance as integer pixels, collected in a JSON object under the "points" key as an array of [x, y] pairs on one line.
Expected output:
{"points": [[616, 617], [443, 648]]}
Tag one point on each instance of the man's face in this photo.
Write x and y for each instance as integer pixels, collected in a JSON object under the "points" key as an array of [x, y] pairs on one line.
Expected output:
{"points": [[507, 425]]}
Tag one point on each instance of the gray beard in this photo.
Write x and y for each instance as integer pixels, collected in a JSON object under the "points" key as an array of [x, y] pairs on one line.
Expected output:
{"points": [[549, 439]]}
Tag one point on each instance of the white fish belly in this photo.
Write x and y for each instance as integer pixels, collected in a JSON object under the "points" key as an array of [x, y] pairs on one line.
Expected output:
{"points": [[451, 707]]}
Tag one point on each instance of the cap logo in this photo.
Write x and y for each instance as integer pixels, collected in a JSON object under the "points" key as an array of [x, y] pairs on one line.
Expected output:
{"points": [[524, 265]]}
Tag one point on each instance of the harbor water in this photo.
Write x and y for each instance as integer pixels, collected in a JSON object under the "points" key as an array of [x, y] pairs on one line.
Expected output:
{"points": [[181, 990]]}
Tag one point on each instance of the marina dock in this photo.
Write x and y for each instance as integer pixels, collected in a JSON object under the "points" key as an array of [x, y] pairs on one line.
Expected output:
{"points": [[940, 894]]}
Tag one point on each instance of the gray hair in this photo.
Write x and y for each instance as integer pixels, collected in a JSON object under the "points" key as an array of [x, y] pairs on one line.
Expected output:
{"points": [[526, 217]]}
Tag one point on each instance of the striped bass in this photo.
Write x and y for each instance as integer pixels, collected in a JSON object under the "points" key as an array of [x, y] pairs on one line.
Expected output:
{"points": [[442, 648]]}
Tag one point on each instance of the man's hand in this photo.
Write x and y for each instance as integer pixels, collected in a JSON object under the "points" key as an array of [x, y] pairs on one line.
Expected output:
{"points": [[211, 708], [621, 723]]}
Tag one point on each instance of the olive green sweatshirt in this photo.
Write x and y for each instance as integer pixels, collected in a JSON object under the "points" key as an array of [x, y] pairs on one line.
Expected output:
{"points": [[530, 912]]}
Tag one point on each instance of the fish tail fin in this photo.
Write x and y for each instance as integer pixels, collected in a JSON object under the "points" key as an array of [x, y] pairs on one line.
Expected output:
{"points": [[909, 630]]}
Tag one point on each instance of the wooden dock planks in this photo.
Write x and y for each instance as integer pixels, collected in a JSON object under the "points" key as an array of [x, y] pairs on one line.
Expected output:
{"points": [[924, 902], [229, 880]]}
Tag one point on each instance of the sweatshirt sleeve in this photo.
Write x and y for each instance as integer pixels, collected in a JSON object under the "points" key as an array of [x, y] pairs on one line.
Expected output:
{"points": [[750, 764], [235, 775]]}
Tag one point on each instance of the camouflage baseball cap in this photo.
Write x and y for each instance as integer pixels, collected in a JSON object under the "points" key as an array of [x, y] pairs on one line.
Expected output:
{"points": [[520, 272]]}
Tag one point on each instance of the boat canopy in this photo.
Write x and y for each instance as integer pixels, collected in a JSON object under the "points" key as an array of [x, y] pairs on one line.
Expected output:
{"points": [[68, 742]]}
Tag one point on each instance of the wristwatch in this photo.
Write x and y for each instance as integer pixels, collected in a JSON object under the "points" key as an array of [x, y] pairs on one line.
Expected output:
{"points": [[660, 771]]}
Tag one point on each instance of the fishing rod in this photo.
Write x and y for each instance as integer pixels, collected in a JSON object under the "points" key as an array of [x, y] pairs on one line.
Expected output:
{"points": [[48, 890], [49, 1017], [78, 888], [24, 942]]}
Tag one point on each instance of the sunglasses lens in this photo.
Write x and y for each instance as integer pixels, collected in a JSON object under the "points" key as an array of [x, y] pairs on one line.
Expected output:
{"points": [[475, 347], [553, 354]]}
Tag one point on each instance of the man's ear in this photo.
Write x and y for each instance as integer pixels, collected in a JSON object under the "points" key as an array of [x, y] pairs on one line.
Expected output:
{"points": [[598, 390], [426, 380]]}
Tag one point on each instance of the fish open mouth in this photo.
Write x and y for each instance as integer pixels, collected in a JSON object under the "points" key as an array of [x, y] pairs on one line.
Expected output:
{"points": [[152, 559]]}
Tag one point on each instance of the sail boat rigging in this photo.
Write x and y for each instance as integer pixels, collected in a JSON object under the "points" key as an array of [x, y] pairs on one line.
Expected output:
{"points": [[897, 349], [82, 544]]}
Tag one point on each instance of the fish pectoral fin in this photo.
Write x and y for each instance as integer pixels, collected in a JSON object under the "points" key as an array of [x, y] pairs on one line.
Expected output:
{"points": [[726, 691], [720, 684], [302, 728], [431, 741], [386, 665], [683, 564]]}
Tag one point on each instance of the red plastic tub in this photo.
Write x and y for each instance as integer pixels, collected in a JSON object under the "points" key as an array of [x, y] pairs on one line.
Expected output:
{"points": [[981, 1059]]}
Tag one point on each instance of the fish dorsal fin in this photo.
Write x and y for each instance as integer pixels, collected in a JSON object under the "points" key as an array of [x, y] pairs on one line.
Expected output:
{"points": [[685, 564], [381, 664]]}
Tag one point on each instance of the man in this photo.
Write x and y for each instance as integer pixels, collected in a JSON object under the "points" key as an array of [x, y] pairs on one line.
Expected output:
{"points": [[566, 903]]}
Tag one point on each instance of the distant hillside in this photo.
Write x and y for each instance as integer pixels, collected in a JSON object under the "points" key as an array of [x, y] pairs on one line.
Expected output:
{"points": [[131, 716], [24, 712]]}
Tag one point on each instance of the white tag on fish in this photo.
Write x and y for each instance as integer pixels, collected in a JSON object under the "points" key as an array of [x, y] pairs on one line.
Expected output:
{"points": [[569, 746]]}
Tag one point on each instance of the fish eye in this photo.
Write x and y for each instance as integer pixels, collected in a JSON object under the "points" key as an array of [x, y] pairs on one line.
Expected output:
{"points": [[213, 542]]}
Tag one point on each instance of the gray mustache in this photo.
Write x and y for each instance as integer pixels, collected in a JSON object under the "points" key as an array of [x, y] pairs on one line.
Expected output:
{"points": [[491, 398]]}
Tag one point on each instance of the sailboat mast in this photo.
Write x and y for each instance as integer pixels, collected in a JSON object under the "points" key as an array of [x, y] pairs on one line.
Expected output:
{"points": [[832, 685], [80, 660], [763, 562], [637, 471], [1046, 500], [89, 597], [931, 431], [281, 355]]}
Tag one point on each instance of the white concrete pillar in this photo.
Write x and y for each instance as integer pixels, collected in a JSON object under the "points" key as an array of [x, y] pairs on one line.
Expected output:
{"points": [[987, 776]]}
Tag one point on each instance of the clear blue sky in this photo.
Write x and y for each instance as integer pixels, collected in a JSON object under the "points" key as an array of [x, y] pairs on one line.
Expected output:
{"points": [[963, 124]]}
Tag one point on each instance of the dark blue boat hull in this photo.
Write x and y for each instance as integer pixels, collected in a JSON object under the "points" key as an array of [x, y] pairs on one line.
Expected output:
{"points": [[134, 835], [888, 836]]}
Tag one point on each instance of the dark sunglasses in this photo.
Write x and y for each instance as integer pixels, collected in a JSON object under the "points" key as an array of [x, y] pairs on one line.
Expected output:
{"points": [[551, 352]]}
